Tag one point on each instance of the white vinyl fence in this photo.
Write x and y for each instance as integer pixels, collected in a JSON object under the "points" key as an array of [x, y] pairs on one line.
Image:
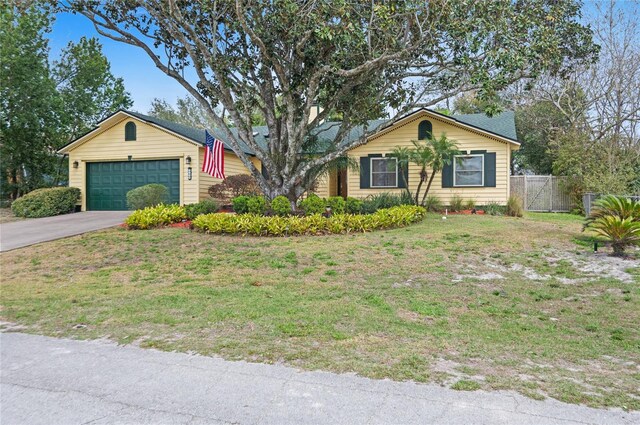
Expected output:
{"points": [[542, 193]]}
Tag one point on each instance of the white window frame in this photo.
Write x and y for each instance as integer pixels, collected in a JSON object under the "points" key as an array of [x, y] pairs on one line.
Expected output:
{"points": [[481, 170], [378, 158]]}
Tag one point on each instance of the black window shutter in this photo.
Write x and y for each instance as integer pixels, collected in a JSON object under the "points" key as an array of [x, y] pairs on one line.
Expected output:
{"points": [[425, 129], [365, 169], [264, 171], [447, 175], [403, 176], [490, 169]]}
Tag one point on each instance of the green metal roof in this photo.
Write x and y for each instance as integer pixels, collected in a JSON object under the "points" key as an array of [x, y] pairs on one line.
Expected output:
{"points": [[503, 124]]}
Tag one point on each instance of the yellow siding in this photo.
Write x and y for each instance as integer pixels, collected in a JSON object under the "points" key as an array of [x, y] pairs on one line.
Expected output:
{"points": [[232, 166], [466, 139], [151, 143], [323, 187]]}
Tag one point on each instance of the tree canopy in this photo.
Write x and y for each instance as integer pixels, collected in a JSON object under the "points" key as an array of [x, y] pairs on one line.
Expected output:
{"points": [[363, 60], [44, 105]]}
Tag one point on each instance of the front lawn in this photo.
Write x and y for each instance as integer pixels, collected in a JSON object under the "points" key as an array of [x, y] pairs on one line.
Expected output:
{"points": [[470, 302]]}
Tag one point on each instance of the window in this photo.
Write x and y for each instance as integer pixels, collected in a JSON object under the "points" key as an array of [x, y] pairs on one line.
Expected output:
{"points": [[425, 130], [468, 170], [130, 131], [384, 172]]}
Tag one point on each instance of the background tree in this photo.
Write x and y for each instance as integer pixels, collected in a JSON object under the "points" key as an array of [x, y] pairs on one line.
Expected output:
{"points": [[363, 59], [187, 111], [28, 100], [87, 92], [44, 107], [585, 124], [537, 123]]}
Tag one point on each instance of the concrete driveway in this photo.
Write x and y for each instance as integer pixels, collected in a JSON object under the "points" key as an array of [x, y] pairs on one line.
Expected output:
{"points": [[18, 234], [59, 381]]}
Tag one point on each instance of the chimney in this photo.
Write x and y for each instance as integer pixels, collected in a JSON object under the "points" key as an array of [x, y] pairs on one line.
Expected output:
{"points": [[315, 110]]}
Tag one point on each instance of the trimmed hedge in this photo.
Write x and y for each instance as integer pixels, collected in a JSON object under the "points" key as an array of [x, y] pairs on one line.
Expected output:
{"points": [[250, 224], [206, 206], [148, 195], [281, 206], [160, 215], [313, 204], [46, 202]]}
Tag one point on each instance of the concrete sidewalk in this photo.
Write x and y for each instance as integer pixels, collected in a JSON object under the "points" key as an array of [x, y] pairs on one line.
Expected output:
{"points": [[18, 234], [56, 381]]}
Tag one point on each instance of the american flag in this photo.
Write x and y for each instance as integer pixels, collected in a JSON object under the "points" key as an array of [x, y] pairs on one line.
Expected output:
{"points": [[213, 163]]}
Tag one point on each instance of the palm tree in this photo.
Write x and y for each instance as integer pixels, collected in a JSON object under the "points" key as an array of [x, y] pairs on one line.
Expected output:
{"points": [[422, 155], [443, 150], [428, 154], [403, 156]]}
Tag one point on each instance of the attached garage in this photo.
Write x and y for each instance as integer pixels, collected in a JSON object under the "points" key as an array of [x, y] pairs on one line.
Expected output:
{"points": [[109, 182], [128, 150]]}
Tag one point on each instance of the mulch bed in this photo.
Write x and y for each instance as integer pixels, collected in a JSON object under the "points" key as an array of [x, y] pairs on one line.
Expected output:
{"points": [[466, 212], [184, 224]]}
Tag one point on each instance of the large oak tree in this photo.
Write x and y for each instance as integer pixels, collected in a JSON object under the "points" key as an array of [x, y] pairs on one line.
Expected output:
{"points": [[361, 59]]}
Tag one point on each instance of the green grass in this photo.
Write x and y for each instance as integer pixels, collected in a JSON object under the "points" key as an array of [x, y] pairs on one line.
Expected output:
{"points": [[388, 304], [465, 385]]}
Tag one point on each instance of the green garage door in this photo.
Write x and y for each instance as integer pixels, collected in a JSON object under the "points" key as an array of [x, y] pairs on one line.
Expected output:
{"points": [[109, 182]]}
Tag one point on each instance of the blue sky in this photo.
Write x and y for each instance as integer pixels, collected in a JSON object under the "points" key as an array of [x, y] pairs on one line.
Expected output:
{"points": [[142, 79]]}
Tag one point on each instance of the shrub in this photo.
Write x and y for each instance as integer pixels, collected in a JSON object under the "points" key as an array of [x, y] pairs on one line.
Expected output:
{"points": [[313, 204], [618, 220], [456, 203], [240, 204], [470, 204], [433, 203], [353, 206], [493, 208], [622, 232], [250, 224], [615, 205], [46, 202], [384, 200], [281, 206], [257, 205], [406, 198], [514, 207], [234, 186], [206, 206], [148, 195], [159, 215], [337, 204]]}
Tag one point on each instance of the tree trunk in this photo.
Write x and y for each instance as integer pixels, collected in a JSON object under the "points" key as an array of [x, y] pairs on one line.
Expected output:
{"points": [[426, 192], [422, 172], [618, 249]]}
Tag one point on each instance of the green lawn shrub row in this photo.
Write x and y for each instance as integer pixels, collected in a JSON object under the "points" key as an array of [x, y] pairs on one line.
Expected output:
{"points": [[163, 214], [46, 202], [315, 224], [159, 215]]}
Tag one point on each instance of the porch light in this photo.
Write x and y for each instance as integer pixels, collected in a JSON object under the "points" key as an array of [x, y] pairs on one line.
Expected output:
{"points": [[189, 173], [188, 160], [76, 164]]}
